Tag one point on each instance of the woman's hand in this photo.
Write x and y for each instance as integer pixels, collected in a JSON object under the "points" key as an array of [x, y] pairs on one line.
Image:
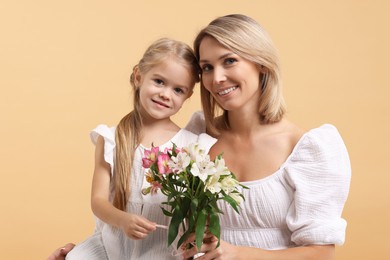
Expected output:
{"points": [[136, 227], [227, 251], [210, 250], [60, 253]]}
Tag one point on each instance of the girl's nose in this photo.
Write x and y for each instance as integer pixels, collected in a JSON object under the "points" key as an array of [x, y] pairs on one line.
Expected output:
{"points": [[165, 93]]}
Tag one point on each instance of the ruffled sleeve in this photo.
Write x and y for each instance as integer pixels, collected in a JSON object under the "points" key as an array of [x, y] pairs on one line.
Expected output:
{"points": [[206, 141], [319, 172], [108, 134], [197, 124]]}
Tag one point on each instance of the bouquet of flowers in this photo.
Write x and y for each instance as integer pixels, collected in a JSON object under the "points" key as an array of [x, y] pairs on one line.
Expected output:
{"points": [[193, 184]]}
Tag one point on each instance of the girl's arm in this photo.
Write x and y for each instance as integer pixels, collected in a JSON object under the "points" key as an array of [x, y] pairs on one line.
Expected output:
{"points": [[134, 226], [228, 251]]}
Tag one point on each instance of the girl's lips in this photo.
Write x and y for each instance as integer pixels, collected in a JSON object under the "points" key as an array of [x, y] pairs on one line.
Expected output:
{"points": [[227, 91], [160, 103]]}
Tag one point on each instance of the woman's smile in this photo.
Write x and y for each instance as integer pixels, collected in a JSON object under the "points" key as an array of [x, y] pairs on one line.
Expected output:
{"points": [[227, 91]]}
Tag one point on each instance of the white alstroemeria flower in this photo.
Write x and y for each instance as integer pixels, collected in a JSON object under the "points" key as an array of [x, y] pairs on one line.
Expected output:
{"points": [[203, 167], [221, 168], [193, 150], [236, 197], [229, 184], [180, 162], [213, 184]]}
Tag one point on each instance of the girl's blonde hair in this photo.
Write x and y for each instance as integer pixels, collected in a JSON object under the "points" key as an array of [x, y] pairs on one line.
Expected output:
{"points": [[245, 37], [129, 130]]}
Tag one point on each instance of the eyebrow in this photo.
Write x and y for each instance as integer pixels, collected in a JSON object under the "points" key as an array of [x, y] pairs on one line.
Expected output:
{"points": [[221, 57]]}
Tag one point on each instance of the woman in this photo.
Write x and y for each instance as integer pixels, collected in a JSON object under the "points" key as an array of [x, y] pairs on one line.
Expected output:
{"points": [[298, 180]]}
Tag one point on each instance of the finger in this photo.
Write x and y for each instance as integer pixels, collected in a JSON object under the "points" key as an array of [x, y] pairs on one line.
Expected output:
{"points": [[214, 253], [142, 229], [67, 248], [55, 255], [209, 237], [61, 252], [145, 223], [149, 226], [210, 249], [138, 235]]}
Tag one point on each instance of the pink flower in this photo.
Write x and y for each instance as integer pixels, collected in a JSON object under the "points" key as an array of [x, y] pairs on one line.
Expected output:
{"points": [[162, 163], [169, 149], [155, 187], [150, 157]]}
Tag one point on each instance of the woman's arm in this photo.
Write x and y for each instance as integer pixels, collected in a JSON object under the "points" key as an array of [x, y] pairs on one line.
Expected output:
{"points": [[136, 227], [228, 251]]}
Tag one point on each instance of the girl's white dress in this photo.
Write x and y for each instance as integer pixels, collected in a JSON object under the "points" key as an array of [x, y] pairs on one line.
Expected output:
{"points": [[113, 244], [300, 204]]}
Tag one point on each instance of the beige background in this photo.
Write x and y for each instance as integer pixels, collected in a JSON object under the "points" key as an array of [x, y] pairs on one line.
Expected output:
{"points": [[64, 69]]}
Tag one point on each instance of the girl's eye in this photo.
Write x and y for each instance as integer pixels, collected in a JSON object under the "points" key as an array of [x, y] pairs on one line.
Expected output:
{"points": [[178, 90], [230, 61], [159, 81]]}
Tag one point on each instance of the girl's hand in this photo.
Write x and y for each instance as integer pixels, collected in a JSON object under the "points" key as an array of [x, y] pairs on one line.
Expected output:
{"points": [[136, 227], [225, 251]]}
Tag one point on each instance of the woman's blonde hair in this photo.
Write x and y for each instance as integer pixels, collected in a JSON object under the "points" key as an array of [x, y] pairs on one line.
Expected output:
{"points": [[129, 130], [245, 37]]}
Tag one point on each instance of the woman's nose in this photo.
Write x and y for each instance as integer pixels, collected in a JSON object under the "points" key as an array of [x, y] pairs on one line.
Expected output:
{"points": [[219, 76]]}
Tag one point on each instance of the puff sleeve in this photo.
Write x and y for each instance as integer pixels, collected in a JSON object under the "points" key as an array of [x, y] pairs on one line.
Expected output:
{"points": [[320, 175], [108, 134], [197, 124]]}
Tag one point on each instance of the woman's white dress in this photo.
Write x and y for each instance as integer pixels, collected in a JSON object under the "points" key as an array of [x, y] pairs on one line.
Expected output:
{"points": [[301, 203]]}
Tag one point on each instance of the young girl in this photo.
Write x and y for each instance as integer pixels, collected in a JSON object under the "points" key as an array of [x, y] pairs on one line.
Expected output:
{"points": [[126, 226]]}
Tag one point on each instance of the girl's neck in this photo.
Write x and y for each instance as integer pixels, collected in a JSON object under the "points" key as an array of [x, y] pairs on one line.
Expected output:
{"points": [[159, 123], [158, 132]]}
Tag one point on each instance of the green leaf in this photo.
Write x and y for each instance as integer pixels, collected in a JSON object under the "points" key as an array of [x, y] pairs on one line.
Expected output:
{"points": [[176, 219], [166, 212], [194, 205], [232, 202], [185, 206], [214, 226], [199, 230], [244, 187], [184, 237]]}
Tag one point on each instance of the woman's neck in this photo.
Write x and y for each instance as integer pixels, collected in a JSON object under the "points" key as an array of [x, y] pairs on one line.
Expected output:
{"points": [[248, 124], [243, 122]]}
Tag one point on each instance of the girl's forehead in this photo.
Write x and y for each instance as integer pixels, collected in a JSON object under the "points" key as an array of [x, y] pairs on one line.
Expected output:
{"points": [[175, 71]]}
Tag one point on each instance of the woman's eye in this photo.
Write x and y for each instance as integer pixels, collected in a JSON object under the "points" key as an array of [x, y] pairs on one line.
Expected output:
{"points": [[230, 61], [206, 68]]}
